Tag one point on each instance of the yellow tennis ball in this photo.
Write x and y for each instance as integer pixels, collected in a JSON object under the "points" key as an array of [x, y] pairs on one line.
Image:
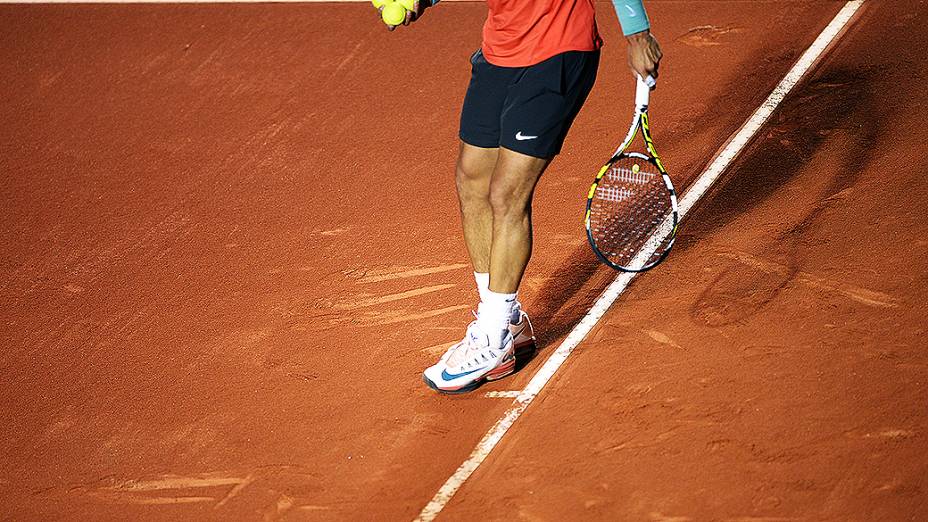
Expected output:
{"points": [[380, 3], [636, 168], [393, 14], [407, 4]]}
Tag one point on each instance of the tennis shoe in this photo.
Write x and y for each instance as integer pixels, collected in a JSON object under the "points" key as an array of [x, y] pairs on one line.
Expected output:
{"points": [[470, 362]]}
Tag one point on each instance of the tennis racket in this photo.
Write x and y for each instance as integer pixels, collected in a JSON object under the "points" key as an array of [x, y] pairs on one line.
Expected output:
{"points": [[631, 210]]}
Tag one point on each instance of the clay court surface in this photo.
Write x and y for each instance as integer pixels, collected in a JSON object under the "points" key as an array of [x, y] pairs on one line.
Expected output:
{"points": [[230, 245]]}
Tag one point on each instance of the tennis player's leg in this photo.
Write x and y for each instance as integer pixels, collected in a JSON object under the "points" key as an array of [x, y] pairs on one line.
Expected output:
{"points": [[538, 112], [481, 117], [475, 170], [474, 359], [511, 189], [472, 178]]}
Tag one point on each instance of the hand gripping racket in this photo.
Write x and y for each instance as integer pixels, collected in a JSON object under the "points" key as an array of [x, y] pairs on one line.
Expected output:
{"points": [[631, 210]]}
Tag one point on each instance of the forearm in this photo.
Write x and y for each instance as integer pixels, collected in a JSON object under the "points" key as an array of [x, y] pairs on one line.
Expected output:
{"points": [[632, 16]]}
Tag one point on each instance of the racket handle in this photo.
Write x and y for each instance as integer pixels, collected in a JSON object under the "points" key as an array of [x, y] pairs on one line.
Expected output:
{"points": [[643, 91]]}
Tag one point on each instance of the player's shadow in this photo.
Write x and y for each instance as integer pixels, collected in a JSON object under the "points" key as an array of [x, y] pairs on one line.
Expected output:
{"points": [[568, 294], [836, 108], [839, 100]]}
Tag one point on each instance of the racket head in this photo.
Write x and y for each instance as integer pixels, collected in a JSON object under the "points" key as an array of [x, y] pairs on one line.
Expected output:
{"points": [[631, 212]]}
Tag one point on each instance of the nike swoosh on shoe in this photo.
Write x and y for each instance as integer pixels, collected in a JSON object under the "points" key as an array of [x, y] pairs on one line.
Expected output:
{"points": [[449, 376]]}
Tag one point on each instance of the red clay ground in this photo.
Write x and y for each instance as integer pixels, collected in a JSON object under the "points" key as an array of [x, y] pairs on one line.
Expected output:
{"points": [[219, 281]]}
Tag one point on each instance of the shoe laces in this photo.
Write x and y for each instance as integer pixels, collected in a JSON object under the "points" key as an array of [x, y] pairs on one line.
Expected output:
{"points": [[473, 350]]}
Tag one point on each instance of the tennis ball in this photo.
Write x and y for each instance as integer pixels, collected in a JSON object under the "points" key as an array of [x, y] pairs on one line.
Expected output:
{"points": [[407, 4], [393, 14], [380, 3], [636, 168]]}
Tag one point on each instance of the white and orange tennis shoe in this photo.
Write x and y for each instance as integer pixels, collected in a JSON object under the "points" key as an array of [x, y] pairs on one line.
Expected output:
{"points": [[470, 362]]}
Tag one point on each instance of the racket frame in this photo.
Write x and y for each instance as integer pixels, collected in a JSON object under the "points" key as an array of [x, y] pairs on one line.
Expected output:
{"points": [[639, 121]]}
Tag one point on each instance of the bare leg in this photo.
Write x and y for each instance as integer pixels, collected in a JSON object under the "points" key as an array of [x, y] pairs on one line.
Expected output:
{"points": [[474, 172], [511, 189]]}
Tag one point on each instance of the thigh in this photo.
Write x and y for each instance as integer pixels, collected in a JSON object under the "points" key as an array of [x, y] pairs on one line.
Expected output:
{"points": [[483, 103], [514, 178], [542, 104]]}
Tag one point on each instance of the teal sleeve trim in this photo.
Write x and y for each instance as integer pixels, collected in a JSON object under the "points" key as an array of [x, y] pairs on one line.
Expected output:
{"points": [[632, 16]]}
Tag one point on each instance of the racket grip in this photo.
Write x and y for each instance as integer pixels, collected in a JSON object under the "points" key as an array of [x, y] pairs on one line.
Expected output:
{"points": [[643, 91]]}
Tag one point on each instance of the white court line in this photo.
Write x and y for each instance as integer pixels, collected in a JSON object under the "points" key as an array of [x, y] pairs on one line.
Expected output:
{"points": [[509, 394], [615, 289]]}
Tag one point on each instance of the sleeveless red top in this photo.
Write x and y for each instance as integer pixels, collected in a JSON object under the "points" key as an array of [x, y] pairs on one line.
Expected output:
{"points": [[519, 33]]}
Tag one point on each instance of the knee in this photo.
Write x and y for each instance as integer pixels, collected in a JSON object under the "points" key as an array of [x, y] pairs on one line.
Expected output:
{"points": [[471, 182], [508, 201]]}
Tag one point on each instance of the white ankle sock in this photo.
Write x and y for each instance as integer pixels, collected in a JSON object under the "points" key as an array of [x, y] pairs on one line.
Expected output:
{"points": [[483, 286], [483, 283], [493, 316]]}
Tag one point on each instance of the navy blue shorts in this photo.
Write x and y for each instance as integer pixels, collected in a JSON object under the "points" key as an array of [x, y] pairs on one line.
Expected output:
{"points": [[526, 109]]}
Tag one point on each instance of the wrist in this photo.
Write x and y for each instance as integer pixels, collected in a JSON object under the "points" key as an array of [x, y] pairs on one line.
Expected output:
{"points": [[641, 37]]}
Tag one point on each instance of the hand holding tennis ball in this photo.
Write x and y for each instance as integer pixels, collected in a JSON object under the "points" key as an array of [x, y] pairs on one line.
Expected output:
{"points": [[393, 14], [396, 12]]}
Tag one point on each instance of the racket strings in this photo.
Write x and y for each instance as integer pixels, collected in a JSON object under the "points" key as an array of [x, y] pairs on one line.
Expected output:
{"points": [[630, 205]]}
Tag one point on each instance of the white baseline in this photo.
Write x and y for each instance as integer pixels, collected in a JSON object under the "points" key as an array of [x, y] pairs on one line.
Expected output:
{"points": [[695, 192]]}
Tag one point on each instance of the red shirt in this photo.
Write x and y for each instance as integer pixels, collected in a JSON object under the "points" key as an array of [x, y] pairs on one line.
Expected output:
{"points": [[519, 33]]}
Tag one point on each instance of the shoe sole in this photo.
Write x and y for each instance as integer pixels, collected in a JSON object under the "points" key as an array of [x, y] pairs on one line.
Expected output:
{"points": [[464, 389]]}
